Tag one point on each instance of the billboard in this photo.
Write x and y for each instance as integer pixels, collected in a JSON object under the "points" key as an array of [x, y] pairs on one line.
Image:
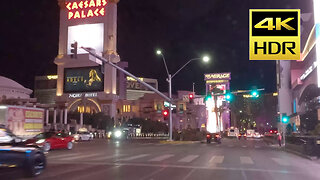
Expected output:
{"points": [[86, 79]]}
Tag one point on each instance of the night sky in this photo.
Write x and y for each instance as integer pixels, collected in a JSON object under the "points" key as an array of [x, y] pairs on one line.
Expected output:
{"points": [[183, 29]]}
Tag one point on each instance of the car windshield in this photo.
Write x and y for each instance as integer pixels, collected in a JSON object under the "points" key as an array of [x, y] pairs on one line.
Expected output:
{"points": [[44, 135]]}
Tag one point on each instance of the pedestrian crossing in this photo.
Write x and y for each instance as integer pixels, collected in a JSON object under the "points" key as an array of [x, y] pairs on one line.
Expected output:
{"points": [[168, 158]]}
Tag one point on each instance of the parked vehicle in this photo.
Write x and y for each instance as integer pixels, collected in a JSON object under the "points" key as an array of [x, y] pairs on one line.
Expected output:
{"points": [[24, 122], [215, 137], [83, 136], [14, 153], [52, 140]]}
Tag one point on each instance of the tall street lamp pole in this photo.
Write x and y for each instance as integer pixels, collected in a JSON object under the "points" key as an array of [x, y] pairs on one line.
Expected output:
{"points": [[205, 59]]}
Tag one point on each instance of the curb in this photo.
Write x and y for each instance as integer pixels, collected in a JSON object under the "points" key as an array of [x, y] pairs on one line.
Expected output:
{"points": [[178, 142]]}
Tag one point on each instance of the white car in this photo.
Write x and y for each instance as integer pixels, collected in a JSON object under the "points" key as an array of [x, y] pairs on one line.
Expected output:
{"points": [[257, 135], [83, 136]]}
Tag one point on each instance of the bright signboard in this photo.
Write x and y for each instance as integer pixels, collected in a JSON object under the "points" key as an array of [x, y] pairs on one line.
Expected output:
{"points": [[87, 79]]}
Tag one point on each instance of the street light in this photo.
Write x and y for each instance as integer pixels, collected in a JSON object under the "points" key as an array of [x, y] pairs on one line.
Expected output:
{"points": [[205, 59]]}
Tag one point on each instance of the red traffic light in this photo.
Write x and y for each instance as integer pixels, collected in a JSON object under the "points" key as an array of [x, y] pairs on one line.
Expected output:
{"points": [[165, 113], [191, 96]]}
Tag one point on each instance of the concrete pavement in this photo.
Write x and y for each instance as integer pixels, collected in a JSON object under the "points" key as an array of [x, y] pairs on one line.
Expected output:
{"points": [[233, 159]]}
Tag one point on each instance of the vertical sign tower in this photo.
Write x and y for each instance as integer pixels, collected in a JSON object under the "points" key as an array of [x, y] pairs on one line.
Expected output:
{"points": [[84, 85]]}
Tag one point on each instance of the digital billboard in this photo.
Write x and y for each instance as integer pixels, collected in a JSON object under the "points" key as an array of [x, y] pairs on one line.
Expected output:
{"points": [[86, 79]]}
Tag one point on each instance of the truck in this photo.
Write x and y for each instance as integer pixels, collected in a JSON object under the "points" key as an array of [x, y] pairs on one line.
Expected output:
{"points": [[24, 122]]}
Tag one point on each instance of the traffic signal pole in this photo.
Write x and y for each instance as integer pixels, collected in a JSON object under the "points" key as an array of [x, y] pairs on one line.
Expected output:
{"points": [[170, 107]]}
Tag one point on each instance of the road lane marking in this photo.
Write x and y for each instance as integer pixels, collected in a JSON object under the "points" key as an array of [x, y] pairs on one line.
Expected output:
{"points": [[216, 159], [152, 174], [188, 158], [244, 146], [161, 158], [62, 156], [189, 174], [281, 162], [134, 157], [80, 157], [107, 157], [246, 160]]}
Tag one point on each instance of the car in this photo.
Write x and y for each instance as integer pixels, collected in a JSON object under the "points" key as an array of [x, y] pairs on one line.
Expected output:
{"points": [[52, 140], [257, 135], [83, 136], [14, 153], [216, 137], [242, 134], [118, 134]]}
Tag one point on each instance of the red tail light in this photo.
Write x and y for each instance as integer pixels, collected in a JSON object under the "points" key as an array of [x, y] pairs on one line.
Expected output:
{"points": [[217, 135], [245, 135], [208, 135], [275, 131], [271, 131]]}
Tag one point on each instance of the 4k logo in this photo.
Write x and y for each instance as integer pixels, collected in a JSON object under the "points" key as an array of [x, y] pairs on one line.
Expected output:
{"points": [[274, 34]]}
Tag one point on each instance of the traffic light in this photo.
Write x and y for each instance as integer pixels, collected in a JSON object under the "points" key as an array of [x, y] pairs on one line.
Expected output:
{"points": [[191, 96], [165, 113], [228, 96], [74, 49], [255, 93], [285, 118]]}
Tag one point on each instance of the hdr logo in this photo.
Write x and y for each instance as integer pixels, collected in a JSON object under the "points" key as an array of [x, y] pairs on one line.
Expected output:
{"points": [[274, 34]]}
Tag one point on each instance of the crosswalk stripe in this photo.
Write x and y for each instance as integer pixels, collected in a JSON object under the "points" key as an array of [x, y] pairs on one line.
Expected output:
{"points": [[161, 158], [246, 160], [281, 162], [62, 156], [107, 157], [188, 158], [80, 157], [134, 157], [216, 159]]}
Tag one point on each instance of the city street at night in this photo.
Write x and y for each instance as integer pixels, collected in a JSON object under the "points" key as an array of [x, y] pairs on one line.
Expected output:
{"points": [[233, 159]]}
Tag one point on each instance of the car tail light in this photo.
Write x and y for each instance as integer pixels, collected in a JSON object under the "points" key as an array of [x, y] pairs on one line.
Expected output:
{"points": [[217, 135], [275, 131], [245, 135], [208, 135], [271, 131]]}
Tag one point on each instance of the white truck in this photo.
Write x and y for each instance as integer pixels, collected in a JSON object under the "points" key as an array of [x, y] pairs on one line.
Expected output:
{"points": [[24, 122], [233, 132]]}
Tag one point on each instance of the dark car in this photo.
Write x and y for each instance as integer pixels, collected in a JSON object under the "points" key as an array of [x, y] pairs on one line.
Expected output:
{"points": [[14, 153], [52, 140], [242, 134], [215, 137]]}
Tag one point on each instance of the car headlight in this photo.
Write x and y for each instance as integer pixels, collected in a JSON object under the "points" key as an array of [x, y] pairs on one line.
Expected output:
{"points": [[40, 141], [76, 136], [117, 134]]}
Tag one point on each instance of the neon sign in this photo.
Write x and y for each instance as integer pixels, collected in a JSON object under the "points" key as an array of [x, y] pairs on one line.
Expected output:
{"points": [[86, 9]]}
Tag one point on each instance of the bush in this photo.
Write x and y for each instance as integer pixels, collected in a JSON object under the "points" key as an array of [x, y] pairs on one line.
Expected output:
{"points": [[149, 126]]}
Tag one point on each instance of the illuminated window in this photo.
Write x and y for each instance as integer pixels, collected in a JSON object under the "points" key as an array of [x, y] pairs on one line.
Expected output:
{"points": [[126, 108]]}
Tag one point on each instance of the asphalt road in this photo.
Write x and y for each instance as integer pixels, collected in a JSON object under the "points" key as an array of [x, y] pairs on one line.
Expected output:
{"points": [[139, 160]]}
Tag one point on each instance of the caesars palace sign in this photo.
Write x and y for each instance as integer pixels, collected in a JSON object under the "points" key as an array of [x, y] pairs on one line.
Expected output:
{"points": [[86, 9]]}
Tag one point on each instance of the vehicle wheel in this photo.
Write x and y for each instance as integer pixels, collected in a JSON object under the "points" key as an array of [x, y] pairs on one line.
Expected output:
{"points": [[36, 166], [69, 145], [208, 141], [46, 147]]}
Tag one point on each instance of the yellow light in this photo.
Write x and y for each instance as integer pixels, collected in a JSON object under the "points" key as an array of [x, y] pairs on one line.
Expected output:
{"points": [[275, 94], [131, 79], [52, 77]]}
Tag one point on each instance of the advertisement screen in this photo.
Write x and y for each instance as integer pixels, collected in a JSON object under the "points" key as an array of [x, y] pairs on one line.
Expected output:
{"points": [[85, 79]]}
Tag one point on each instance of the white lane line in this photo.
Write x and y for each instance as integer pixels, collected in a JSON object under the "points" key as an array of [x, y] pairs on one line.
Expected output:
{"points": [[189, 174], [62, 156], [216, 159], [81, 157], [161, 158], [107, 157], [246, 160], [244, 146], [281, 162], [188, 158], [134, 157]]}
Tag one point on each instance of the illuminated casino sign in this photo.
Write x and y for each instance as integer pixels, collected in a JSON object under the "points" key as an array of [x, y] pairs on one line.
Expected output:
{"points": [[86, 9], [87, 79], [217, 76]]}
